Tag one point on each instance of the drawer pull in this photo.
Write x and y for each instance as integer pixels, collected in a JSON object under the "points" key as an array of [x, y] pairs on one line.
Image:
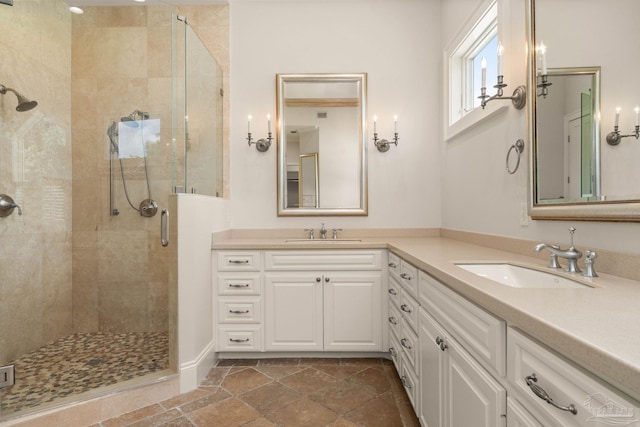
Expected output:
{"points": [[405, 382], [238, 311], [404, 341], [238, 285], [405, 276], [439, 340], [393, 265], [405, 308], [239, 339], [443, 346], [393, 352], [393, 291], [393, 320], [539, 391], [238, 261]]}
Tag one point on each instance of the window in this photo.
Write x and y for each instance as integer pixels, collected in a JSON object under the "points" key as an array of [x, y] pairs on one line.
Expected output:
{"points": [[478, 39]]}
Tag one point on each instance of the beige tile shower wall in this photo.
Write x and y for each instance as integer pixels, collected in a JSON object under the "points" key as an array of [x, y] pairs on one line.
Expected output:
{"points": [[121, 60], [35, 169], [211, 23]]}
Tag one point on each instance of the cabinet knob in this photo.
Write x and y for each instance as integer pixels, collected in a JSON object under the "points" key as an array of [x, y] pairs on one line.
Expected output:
{"points": [[326, 279], [318, 279]]}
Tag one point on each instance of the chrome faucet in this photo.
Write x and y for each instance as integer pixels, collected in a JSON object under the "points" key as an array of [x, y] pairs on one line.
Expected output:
{"points": [[335, 233], [323, 232], [572, 255], [310, 230]]}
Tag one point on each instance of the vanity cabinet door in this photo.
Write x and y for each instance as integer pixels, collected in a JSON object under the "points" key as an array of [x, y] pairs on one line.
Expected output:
{"points": [[432, 367], [472, 396], [293, 311], [353, 311]]}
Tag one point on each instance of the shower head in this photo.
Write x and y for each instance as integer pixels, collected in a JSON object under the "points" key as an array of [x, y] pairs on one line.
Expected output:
{"points": [[24, 104], [142, 115]]}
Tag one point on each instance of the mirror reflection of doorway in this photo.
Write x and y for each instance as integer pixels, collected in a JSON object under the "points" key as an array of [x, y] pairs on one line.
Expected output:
{"points": [[308, 196]]}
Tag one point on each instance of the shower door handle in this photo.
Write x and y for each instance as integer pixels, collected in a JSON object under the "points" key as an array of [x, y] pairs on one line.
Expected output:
{"points": [[164, 228]]}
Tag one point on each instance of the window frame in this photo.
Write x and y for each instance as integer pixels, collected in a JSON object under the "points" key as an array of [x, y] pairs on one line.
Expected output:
{"points": [[481, 27]]}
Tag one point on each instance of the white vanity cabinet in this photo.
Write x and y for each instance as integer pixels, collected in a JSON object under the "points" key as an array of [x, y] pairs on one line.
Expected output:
{"points": [[575, 398], [324, 300]]}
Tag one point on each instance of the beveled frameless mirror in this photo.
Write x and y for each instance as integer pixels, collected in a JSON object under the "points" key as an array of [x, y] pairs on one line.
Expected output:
{"points": [[601, 182], [322, 152]]}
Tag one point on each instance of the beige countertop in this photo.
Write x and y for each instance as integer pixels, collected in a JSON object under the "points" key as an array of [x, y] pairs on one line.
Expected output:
{"points": [[598, 328]]}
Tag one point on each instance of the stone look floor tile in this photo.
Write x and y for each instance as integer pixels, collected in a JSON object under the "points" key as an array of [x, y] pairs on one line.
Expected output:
{"points": [[303, 412], [244, 380], [230, 412], [342, 396], [286, 392], [308, 381]]}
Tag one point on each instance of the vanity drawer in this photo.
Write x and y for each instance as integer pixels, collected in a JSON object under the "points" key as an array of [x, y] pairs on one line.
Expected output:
{"points": [[481, 333], [409, 278], [409, 345], [395, 319], [239, 338], [394, 265], [594, 402], [239, 310], [394, 292], [409, 309], [239, 283], [334, 260], [410, 382], [238, 261]]}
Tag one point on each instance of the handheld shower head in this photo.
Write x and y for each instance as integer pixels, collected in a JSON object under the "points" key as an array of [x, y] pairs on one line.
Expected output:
{"points": [[24, 104]]}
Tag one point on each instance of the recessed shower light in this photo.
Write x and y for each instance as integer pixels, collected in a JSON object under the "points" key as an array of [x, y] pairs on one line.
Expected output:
{"points": [[76, 10]]}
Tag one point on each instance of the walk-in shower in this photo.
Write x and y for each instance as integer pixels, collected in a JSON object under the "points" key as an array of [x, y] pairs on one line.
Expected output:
{"points": [[133, 132], [87, 298]]}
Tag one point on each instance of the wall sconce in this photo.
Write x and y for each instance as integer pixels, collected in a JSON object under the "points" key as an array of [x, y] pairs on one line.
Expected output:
{"points": [[383, 145], [614, 138], [544, 78], [262, 144], [519, 97]]}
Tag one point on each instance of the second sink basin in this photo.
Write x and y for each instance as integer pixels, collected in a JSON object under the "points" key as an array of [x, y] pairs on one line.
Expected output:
{"points": [[520, 277]]}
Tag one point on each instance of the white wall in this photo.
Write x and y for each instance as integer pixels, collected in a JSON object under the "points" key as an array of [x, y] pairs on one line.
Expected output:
{"points": [[396, 42], [198, 216], [478, 193]]}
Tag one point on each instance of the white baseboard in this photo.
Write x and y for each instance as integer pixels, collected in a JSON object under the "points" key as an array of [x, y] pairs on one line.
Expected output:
{"points": [[193, 372]]}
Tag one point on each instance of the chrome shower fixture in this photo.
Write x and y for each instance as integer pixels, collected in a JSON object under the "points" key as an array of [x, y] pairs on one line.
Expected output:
{"points": [[142, 115], [24, 104]]}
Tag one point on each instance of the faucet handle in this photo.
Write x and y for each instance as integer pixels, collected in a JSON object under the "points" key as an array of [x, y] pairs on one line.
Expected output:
{"points": [[335, 233], [571, 231], [590, 257], [310, 230]]}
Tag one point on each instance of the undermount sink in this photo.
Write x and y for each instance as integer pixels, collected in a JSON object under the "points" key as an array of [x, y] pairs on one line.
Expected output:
{"points": [[520, 277], [322, 240]]}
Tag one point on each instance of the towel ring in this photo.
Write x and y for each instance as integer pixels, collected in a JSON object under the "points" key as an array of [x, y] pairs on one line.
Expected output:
{"points": [[519, 148]]}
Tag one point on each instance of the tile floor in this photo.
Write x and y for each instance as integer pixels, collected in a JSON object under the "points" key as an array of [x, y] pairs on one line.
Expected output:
{"points": [[285, 392], [79, 363]]}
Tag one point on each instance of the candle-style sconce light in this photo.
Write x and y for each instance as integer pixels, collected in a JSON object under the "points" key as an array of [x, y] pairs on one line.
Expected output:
{"points": [[544, 77], [519, 96], [262, 144], [614, 138], [383, 145]]}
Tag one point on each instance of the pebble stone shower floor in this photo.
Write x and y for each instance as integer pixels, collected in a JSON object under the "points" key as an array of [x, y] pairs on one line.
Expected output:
{"points": [[79, 363]]}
